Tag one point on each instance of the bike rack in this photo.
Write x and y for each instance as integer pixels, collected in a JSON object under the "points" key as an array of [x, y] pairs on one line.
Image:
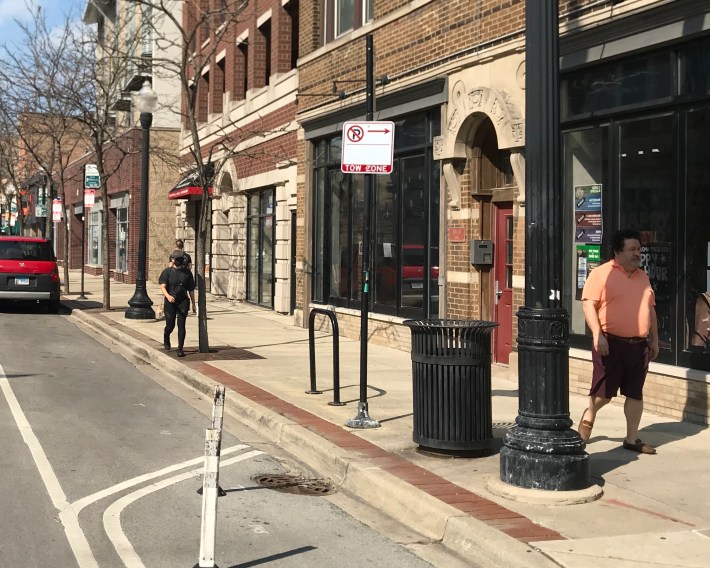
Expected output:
{"points": [[336, 354]]}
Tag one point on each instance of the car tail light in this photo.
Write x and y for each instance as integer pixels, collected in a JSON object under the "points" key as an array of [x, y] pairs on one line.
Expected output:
{"points": [[54, 276]]}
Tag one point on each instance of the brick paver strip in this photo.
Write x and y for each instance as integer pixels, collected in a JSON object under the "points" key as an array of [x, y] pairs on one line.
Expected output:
{"points": [[511, 523]]}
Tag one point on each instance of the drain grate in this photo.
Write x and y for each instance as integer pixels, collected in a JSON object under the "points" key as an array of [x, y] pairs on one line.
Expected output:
{"points": [[295, 484]]}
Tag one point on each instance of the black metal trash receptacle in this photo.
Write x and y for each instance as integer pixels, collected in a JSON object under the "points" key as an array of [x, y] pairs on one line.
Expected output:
{"points": [[451, 374]]}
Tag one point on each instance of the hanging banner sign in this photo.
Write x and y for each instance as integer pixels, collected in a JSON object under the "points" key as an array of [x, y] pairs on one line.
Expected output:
{"points": [[57, 210], [89, 196]]}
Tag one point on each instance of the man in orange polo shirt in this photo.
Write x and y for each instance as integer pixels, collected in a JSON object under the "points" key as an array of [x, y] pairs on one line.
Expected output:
{"points": [[618, 304]]}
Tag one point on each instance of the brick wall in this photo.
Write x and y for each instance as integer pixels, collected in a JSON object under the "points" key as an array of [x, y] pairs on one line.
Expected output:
{"points": [[123, 167]]}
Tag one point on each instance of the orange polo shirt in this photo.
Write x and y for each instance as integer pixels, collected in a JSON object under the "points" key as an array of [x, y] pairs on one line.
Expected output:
{"points": [[624, 300]]}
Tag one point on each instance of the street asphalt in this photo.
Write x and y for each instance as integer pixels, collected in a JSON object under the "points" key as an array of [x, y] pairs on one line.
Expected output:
{"points": [[641, 510]]}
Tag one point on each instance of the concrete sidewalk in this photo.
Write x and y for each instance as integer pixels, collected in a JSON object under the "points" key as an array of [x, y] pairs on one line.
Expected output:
{"points": [[655, 509]]}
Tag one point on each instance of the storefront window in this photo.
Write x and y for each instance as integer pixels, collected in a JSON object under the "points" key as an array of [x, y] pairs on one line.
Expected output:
{"points": [[648, 188], [695, 69], [647, 171], [586, 169], [94, 242], [697, 236], [634, 81], [404, 230], [122, 240]]}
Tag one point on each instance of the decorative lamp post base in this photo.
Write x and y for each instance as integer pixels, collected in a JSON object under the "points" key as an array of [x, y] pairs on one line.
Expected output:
{"points": [[140, 306], [550, 471], [140, 313], [542, 451]]}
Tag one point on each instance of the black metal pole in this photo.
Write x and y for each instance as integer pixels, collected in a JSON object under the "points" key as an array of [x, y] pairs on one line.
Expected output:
{"points": [[82, 296], [140, 304], [542, 451], [363, 420]]}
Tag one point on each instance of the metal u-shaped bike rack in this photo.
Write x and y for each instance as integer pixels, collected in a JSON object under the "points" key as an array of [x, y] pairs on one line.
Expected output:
{"points": [[336, 354]]}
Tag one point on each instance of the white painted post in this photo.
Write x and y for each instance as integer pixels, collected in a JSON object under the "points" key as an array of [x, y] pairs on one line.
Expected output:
{"points": [[210, 483], [218, 408]]}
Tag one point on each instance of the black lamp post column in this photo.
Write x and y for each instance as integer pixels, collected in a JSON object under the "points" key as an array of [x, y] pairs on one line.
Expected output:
{"points": [[140, 304], [542, 451]]}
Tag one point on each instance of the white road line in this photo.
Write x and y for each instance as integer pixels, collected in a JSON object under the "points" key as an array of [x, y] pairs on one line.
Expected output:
{"points": [[78, 506], [112, 515], [75, 536], [69, 513]]}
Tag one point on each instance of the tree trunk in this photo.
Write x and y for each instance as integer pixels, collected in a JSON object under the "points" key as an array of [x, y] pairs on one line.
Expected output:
{"points": [[200, 246], [105, 243], [67, 234]]}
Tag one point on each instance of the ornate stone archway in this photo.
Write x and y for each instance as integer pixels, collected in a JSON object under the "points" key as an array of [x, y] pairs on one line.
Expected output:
{"points": [[467, 109]]}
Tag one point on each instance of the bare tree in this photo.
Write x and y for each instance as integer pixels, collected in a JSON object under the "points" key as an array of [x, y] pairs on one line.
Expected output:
{"points": [[83, 72], [10, 176]]}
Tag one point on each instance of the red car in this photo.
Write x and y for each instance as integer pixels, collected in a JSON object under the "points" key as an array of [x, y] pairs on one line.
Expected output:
{"points": [[28, 271]]}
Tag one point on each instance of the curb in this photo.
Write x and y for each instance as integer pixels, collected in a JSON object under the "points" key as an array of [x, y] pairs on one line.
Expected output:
{"points": [[425, 514]]}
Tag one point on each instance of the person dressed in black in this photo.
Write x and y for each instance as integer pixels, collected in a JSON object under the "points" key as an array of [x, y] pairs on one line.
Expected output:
{"points": [[178, 287], [180, 246]]}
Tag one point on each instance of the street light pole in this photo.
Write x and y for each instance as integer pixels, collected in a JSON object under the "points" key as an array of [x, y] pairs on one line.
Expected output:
{"points": [[542, 451], [140, 304]]}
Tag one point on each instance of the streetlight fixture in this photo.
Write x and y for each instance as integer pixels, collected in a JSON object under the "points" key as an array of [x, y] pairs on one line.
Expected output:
{"points": [[542, 451], [140, 304]]}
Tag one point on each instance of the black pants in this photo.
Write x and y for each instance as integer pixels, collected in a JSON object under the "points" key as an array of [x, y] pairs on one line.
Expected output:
{"points": [[175, 311]]}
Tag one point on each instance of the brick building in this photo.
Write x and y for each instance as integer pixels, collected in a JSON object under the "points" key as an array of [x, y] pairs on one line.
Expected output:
{"points": [[634, 107], [245, 113], [128, 36]]}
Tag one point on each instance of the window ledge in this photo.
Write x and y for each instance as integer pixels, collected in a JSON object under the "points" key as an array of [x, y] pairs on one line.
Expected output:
{"points": [[656, 368]]}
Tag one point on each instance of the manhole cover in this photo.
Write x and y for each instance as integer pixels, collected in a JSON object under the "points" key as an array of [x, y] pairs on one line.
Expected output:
{"points": [[295, 484]]}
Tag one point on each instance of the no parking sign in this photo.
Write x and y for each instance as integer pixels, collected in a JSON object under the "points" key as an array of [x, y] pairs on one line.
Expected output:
{"points": [[368, 147]]}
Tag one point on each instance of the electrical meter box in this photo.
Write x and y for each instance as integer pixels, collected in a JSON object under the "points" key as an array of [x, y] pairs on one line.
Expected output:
{"points": [[482, 252]]}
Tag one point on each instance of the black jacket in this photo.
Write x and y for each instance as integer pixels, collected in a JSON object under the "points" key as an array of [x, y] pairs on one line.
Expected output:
{"points": [[178, 282]]}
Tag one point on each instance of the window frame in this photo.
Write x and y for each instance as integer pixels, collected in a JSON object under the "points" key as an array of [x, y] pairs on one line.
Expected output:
{"points": [[361, 16]]}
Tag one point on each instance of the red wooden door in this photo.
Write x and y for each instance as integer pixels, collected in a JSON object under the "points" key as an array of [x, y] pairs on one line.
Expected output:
{"points": [[503, 283]]}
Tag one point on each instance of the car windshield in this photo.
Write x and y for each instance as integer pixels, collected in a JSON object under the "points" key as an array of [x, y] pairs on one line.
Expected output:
{"points": [[27, 250]]}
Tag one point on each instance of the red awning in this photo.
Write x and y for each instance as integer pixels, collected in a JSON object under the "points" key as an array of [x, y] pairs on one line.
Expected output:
{"points": [[187, 186]]}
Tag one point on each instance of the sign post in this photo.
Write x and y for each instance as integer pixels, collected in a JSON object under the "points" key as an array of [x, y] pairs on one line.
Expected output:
{"points": [[367, 148], [92, 182]]}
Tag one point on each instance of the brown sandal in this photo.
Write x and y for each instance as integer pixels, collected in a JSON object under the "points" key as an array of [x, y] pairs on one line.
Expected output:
{"points": [[640, 447], [585, 427]]}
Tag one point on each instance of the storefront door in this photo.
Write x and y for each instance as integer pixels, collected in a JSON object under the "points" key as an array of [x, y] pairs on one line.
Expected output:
{"points": [[503, 282], [260, 255]]}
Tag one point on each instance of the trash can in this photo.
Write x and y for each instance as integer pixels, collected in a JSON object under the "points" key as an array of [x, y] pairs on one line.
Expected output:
{"points": [[451, 375]]}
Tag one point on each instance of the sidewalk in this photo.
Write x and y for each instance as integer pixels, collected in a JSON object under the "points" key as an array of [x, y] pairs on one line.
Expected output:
{"points": [[655, 509]]}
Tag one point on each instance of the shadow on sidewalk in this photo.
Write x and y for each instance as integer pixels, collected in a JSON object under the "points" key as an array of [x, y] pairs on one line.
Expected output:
{"points": [[666, 432], [657, 435], [293, 342]]}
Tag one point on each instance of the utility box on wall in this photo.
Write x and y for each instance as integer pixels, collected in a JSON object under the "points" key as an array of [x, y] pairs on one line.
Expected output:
{"points": [[482, 252]]}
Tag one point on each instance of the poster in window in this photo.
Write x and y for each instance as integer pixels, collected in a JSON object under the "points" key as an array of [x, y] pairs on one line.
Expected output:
{"points": [[656, 260], [588, 214], [588, 258]]}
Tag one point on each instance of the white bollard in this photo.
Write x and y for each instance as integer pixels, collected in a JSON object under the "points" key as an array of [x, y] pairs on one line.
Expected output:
{"points": [[210, 484], [218, 408]]}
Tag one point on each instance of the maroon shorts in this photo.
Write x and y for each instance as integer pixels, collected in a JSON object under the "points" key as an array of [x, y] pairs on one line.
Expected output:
{"points": [[624, 368]]}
